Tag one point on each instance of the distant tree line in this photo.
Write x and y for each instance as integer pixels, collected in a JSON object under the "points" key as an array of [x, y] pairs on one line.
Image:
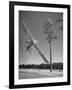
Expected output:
{"points": [[55, 66]]}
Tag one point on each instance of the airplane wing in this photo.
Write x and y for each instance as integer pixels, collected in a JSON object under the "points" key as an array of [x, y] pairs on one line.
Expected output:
{"points": [[27, 32], [30, 38]]}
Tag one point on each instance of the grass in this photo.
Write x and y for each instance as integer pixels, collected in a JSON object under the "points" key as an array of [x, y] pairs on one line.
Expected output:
{"points": [[39, 73]]}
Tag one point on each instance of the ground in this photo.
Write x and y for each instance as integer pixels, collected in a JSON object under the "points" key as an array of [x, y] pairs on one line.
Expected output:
{"points": [[38, 73]]}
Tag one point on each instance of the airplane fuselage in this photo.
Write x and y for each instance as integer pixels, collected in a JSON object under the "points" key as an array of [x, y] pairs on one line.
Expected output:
{"points": [[31, 44]]}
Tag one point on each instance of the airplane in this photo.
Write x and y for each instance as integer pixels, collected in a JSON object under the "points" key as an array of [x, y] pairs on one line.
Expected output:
{"points": [[33, 43], [29, 45]]}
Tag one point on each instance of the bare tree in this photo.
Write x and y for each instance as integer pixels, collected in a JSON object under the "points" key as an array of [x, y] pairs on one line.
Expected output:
{"points": [[49, 26]]}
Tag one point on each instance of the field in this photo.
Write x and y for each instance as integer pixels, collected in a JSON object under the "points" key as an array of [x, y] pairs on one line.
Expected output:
{"points": [[39, 73]]}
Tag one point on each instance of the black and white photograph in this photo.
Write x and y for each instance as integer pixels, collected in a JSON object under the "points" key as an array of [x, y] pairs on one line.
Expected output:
{"points": [[39, 44]]}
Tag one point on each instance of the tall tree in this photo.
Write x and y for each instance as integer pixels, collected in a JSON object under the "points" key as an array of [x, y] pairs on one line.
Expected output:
{"points": [[48, 30]]}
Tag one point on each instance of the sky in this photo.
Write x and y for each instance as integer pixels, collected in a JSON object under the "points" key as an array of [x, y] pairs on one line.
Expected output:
{"points": [[35, 21]]}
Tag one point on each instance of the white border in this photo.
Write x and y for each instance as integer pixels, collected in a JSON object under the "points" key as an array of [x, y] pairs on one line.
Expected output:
{"points": [[17, 81]]}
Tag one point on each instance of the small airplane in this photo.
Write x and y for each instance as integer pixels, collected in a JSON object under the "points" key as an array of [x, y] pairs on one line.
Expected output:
{"points": [[29, 45], [31, 41]]}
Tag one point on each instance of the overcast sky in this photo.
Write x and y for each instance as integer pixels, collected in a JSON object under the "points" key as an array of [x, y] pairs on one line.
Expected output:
{"points": [[35, 21]]}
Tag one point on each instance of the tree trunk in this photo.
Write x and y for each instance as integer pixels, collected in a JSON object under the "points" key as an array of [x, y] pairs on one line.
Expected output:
{"points": [[50, 58]]}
